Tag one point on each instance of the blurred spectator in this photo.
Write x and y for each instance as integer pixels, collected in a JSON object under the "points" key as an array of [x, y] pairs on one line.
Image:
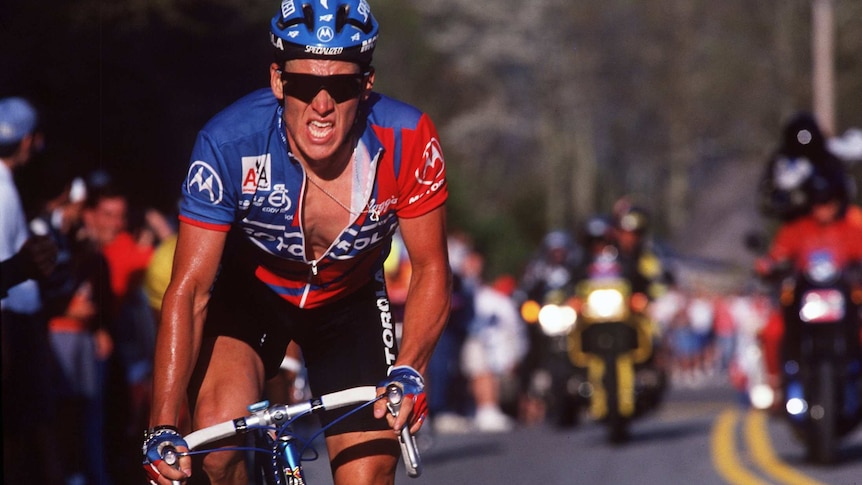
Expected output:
{"points": [[132, 325], [495, 344], [79, 302], [724, 328], [750, 311], [397, 271], [28, 446], [700, 314], [35, 259]]}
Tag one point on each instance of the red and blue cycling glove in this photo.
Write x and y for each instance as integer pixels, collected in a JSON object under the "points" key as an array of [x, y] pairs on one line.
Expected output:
{"points": [[156, 440], [413, 386]]}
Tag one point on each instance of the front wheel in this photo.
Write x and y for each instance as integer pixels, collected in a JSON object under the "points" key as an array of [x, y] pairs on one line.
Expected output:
{"points": [[618, 423], [822, 440]]}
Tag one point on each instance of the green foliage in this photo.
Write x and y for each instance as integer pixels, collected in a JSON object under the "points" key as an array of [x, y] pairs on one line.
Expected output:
{"points": [[574, 97]]}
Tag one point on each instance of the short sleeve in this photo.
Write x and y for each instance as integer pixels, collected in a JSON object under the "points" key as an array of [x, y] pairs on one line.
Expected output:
{"points": [[422, 180]]}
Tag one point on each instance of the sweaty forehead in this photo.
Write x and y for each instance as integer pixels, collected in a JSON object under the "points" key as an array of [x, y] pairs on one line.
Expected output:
{"points": [[321, 67]]}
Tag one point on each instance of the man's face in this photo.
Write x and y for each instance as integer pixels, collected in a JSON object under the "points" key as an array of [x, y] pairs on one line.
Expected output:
{"points": [[105, 221], [318, 129], [826, 212]]}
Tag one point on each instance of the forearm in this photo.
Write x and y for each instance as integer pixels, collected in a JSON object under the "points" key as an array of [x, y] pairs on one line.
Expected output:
{"points": [[425, 314], [177, 348]]}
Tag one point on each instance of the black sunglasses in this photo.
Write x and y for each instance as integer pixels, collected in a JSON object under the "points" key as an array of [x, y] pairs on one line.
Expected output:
{"points": [[304, 87]]}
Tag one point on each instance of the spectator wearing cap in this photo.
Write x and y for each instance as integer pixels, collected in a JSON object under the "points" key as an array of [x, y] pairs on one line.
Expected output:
{"points": [[26, 353], [18, 140]]}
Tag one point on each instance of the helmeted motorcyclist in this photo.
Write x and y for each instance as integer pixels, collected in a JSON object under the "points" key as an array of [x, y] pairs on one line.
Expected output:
{"points": [[831, 223], [787, 184], [641, 265], [554, 266]]}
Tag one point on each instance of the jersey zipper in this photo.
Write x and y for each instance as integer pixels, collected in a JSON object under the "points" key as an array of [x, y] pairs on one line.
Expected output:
{"points": [[313, 269]]}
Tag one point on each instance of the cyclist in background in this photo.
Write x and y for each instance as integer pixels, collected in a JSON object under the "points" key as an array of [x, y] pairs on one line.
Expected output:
{"points": [[296, 190]]}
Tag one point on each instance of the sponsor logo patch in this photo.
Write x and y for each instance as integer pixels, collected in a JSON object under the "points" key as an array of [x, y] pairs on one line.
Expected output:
{"points": [[203, 179], [256, 174], [434, 165], [325, 34]]}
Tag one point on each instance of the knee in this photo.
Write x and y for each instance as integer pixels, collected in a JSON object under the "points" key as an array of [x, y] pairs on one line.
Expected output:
{"points": [[224, 467]]}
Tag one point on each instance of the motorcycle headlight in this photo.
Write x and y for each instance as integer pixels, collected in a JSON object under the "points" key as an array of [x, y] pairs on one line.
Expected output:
{"points": [[605, 304], [820, 306], [557, 319]]}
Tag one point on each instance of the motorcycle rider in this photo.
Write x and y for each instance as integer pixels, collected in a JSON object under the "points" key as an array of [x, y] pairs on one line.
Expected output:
{"points": [[832, 223], [631, 224], [554, 266], [787, 181], [644, 270], [550, 270]]}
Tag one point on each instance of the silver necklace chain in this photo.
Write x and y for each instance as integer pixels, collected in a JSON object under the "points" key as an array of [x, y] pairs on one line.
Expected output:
{"points": [[348, 209], [374, 214]]}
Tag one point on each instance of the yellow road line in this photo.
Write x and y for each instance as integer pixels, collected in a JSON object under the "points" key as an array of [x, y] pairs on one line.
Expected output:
{"points": [[760, 446], [724, 456]]}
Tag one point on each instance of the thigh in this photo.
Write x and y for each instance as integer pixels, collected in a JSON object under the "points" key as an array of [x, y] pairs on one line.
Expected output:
{"points": [[229, 377], [349, 343]]}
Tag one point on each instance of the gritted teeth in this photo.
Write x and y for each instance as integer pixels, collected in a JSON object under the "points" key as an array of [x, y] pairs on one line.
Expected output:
{"points": [[319, 128]]}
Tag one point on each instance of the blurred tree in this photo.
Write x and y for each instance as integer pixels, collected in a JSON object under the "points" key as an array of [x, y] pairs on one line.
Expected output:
{"points": [[548, 110]]}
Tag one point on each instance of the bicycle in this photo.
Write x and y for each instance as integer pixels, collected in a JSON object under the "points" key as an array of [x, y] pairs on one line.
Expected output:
{"points": [[271, 425]]}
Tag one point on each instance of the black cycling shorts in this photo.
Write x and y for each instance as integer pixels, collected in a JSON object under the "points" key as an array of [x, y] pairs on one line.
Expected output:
{"points": [[350, 342]]}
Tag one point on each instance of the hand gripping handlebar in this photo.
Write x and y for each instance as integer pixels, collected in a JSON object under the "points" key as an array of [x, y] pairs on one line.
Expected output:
{"points": [[279, 414], [409, 451]]}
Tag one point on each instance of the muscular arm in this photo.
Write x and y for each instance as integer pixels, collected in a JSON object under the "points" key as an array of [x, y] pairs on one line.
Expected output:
{"points": [[427, 306], [183, 312]]}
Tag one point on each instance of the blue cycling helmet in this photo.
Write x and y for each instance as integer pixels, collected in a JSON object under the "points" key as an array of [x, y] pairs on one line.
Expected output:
{"points": [[341, 30]]}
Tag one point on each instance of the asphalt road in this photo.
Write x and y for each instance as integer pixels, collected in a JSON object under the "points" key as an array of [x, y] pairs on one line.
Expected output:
{"points": [[699, 436]]}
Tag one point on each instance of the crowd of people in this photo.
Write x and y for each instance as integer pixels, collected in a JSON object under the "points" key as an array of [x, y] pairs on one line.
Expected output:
{"points": [[78, 336]]}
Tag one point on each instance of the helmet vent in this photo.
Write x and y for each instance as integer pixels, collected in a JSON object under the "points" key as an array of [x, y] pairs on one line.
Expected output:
{"points": [[342, 17], [307, 19], [308, 14]]}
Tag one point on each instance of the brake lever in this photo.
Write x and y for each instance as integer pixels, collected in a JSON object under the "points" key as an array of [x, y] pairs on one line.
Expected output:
{"points": [[172, 458], [409, 450]]}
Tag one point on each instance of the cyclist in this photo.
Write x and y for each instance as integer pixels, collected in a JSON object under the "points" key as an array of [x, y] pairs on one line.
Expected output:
{"points": [[297, 190]]}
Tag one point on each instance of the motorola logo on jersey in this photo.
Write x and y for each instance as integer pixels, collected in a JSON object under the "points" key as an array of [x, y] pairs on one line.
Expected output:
{"points": [[202, 179], [434, 165]]}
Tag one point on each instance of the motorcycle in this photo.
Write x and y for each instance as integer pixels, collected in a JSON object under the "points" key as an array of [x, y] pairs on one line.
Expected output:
{"points": [[613, 345], [820, 354], [552, 377]]}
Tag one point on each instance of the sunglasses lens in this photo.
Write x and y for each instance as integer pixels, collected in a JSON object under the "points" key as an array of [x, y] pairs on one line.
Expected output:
{"points": [[304, 87]]}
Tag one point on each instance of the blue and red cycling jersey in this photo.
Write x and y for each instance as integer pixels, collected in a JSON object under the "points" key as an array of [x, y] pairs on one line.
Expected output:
{"points": [[242, 174]]}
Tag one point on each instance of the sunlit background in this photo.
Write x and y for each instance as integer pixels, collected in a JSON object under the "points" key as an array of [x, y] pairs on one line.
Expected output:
{"points": [[548, 110]]}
